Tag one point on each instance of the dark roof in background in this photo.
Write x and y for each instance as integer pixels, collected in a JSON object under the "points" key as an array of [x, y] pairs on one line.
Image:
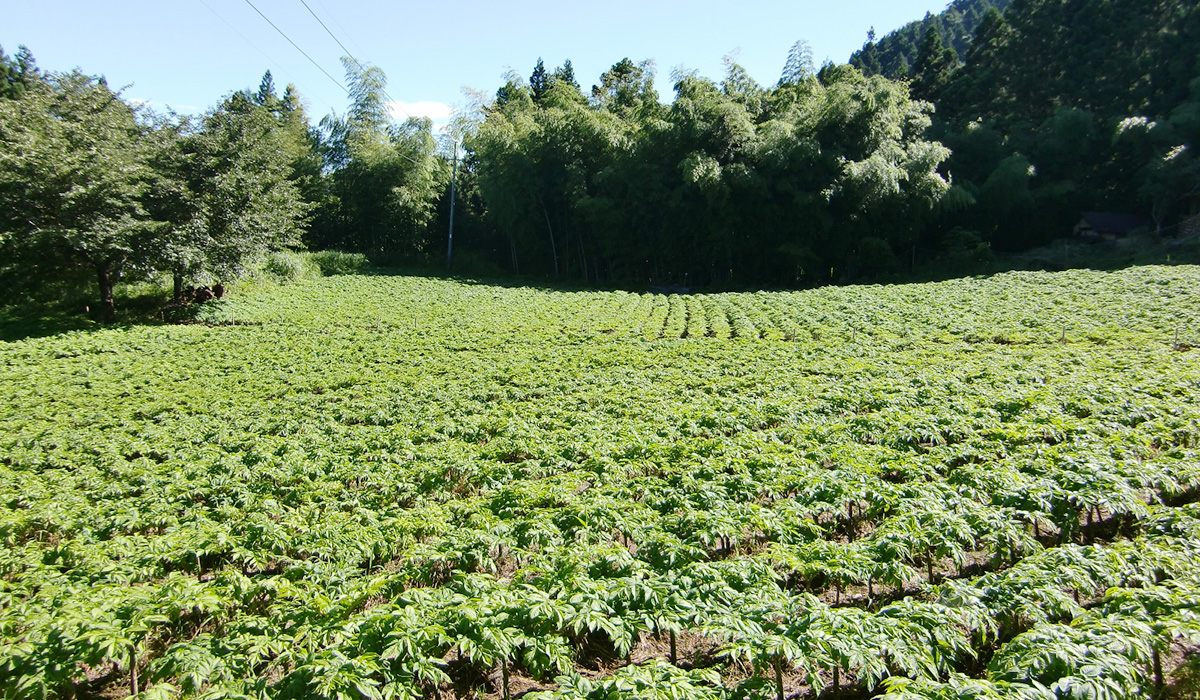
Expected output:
{"points": [[1109, 222]]}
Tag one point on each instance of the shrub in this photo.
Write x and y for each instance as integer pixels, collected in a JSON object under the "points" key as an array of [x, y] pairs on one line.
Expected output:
{"points": [[289, 266], [335, 262]]}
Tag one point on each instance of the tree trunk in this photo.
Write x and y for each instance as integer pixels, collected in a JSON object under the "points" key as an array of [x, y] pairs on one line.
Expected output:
{"points": [[582, 257], [108, 310], [178, 294], [566, 245]]}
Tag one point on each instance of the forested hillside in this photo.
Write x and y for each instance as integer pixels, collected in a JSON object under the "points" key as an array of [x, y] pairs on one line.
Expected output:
{"points": [[895, 53], [1063, 107]]}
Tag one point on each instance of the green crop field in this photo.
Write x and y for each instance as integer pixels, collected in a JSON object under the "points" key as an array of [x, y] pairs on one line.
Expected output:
{"points": [[396, 487]]}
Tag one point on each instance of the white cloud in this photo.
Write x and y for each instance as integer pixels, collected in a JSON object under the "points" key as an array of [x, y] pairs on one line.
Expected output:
{"points": [[437, 111]]}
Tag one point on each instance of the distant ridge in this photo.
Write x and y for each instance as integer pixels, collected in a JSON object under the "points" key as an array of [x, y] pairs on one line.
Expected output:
{"points": [[893, 55]]}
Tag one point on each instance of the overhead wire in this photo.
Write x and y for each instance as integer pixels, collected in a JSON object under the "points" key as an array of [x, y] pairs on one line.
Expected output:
{"points": [[358, 63], [339, 26], [254, 46], [305, 54], [302, 51], [327, 31], [318, 66], [350, 54]]}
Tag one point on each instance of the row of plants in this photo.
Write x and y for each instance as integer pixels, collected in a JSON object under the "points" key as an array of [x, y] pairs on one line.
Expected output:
{"points": [[379, 487]]}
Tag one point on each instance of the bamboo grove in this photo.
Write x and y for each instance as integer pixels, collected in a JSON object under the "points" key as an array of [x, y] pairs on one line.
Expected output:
{"points": [[368, 487]]}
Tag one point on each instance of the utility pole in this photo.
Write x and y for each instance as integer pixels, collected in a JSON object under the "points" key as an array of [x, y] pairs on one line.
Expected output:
{"points": [[453, 177]]}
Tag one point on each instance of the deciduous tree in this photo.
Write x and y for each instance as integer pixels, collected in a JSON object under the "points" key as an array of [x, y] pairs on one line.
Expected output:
{"points": [[73, 169]]}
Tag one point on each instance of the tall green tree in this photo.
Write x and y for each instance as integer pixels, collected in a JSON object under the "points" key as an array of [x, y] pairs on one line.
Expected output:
{"points": [[539, 81], [239, 176], [626, 89], [16, 73], [934, 67], [799, 65], [73, 169]]}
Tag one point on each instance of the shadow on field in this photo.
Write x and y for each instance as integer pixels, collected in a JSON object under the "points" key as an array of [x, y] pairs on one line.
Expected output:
{"points": [[41, 319], [502, 280], [24, 323], [1058, 256]]}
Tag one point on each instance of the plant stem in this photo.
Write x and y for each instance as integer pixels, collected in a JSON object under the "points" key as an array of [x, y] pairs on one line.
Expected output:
{"points": [[778, 677], [1158, 673], [133, 679]]}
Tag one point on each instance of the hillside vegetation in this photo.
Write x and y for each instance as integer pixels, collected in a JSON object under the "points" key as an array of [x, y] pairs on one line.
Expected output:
{"points": [[395, 487], [937, 151], [894, 54]]}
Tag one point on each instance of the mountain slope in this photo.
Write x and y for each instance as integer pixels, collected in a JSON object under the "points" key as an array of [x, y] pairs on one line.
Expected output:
{"points": [[894, 54]]}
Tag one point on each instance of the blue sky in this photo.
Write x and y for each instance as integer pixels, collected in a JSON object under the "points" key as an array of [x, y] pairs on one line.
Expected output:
{"points": [[188, 53]]}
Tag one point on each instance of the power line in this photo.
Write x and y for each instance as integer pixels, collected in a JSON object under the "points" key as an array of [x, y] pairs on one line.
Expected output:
{"points": [[356, 62], [351, 54], [256, 48], [310, 58], [331, 34], [339, 26]]}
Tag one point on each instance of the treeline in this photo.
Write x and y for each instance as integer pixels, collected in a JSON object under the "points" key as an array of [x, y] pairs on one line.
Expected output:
{"points": [[96, 190], [833, 175], [1053, 108], [893, 55], [820, 178]]}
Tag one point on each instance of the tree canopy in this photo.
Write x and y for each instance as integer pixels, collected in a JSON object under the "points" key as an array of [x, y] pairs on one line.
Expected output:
{"points": [[89, 185]]}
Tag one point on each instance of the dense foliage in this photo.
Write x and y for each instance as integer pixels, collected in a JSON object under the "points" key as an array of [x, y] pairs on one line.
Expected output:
{"points": [[1064, 107], [92, 186], [382, 181], [1048, 109], [895, 54], [1006, 128], [971, 132], [73, 170], [383, 487], [819, 180]]}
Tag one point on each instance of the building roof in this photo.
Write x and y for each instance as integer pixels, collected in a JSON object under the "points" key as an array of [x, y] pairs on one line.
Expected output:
{"points": [[1109, 222]]}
